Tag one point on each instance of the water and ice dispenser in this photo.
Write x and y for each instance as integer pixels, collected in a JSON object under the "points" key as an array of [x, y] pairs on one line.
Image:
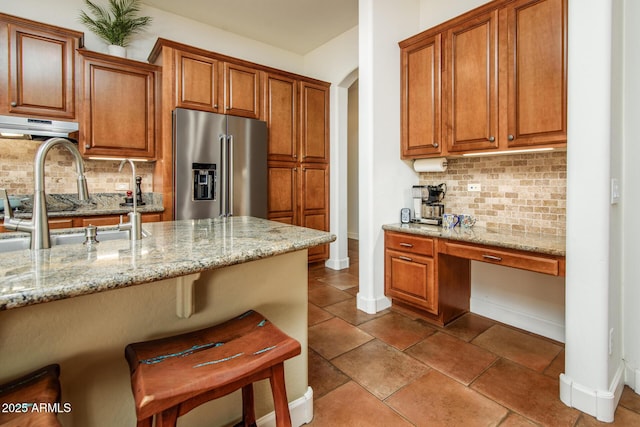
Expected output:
{"points": [[204, 181]]}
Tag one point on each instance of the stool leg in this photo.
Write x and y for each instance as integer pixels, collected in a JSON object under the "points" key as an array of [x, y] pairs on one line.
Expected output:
{"points": [[248, 412], [167, 418], [147, 422], [283, 419]]}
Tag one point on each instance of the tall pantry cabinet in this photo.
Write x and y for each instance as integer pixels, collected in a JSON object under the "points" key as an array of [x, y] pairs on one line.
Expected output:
{"points": [[297, 113]]}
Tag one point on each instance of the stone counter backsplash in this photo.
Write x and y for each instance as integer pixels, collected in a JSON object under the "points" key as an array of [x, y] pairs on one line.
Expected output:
{"points": [[98, 202], [16, 171], [521, 192]]}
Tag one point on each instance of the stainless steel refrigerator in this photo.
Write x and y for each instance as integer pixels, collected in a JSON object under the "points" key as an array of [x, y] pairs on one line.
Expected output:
{"points": [[220, 165]]}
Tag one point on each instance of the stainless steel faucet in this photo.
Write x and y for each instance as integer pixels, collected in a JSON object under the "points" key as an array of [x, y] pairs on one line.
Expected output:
{"points": [[135, 219], [38, 226]]}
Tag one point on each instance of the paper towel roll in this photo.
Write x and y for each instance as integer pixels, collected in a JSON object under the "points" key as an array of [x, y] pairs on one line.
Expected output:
{"points": [[438, 164]]}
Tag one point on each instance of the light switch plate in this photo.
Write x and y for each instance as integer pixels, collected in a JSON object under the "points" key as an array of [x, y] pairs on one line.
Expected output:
{"points": [[615, 191]]}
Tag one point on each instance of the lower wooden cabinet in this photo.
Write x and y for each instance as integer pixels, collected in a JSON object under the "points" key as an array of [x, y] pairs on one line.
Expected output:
{"points": [[419, 279], [411, 278]]}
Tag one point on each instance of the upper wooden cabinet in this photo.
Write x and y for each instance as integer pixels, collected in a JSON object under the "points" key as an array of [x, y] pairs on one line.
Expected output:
{"points": [[471, 84], [38, 69], [536, 66], [281, 115], [197, 82], [421, 111], [501, 70], [314, 122], [242, 96], [118, 107]]}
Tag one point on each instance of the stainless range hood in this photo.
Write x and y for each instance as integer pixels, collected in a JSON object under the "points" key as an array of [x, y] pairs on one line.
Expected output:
{"points": [[11, 126]]}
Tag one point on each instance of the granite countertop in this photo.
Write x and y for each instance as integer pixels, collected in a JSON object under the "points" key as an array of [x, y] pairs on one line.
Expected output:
{"points": [[68, 205], [531, 242], [173, 249]]}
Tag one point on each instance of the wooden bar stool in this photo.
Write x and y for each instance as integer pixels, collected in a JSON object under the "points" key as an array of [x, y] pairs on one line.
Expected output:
{"points": [[171, 376], [38, 387]]}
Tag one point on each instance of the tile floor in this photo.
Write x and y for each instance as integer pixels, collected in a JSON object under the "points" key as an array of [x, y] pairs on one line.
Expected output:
{"points": [[392, 369]]}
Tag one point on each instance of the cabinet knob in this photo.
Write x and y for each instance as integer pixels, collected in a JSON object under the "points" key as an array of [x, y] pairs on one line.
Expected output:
{"points": [[228, 108], [14, 104], [215, 106], [87, 146], [435, 145], [511, 137], [295, 169], [491, 138]]}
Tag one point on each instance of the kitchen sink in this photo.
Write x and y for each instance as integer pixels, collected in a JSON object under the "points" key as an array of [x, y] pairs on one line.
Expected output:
{"points": [[19, 243]]}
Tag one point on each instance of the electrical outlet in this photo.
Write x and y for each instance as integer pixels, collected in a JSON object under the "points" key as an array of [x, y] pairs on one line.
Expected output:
{"points": [[122, 187], [474, 187], [615, 191]]}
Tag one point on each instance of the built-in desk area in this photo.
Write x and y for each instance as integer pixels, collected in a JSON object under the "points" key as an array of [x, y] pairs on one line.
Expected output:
{"points": [[428, 268]]}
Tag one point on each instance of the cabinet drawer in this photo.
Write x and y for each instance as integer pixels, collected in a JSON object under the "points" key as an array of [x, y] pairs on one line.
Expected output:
{"points": [[509, 258], [409, 243]]}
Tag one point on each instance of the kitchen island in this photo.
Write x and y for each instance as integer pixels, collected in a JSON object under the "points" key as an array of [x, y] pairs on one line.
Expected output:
{"points": [[80, 305]]}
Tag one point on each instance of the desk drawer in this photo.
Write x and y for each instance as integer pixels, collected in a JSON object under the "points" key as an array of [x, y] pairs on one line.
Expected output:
{"points": [[409, 243], [509, 258]]}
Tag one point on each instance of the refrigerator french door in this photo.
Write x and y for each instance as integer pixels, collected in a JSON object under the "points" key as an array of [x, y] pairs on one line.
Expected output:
{"points": [[220, 165]]}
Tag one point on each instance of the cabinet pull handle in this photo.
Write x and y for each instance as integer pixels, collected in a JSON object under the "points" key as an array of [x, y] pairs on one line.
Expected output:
{"points": [[14, 104], [405, 258], [406, 245], [491, 138], [492, 258], [511, 137], [435, 145]]}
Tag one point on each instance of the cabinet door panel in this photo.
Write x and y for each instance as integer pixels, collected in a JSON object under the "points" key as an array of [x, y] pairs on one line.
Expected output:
{"points": [[118, 108], [283, 188], [41, 69], [197, 82], [421, 99], [472, 84], [280, 110], [314, 118], [537, 72], [411, 278], [242, 91], [317, 221], [315, 186]]}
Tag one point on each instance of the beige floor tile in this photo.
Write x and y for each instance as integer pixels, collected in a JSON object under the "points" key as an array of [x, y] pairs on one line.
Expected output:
{"points": [[397, 330], [526, 349], [531, 394], [453, 357], [323, 376], [341, 281], [468, 326], [348, 311], [326, 295], [317, 315], [436, 400], [335, 337], [352, 406], [379, 368]]}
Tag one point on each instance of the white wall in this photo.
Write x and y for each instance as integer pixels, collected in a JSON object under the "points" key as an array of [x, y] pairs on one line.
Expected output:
{"points": [[630, 195], [64, 13]]}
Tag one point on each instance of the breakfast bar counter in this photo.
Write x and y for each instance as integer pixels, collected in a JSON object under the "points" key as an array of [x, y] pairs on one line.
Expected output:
{"points": [[79, 306]]}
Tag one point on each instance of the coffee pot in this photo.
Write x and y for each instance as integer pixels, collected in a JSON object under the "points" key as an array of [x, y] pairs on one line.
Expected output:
{"points": [[436, 193]]}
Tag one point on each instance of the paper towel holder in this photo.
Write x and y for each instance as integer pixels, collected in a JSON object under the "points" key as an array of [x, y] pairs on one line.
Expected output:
{"points": [[434, 164]]}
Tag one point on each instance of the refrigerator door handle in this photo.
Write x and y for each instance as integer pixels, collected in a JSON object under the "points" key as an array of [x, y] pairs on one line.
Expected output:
{"points": [[224, 185], [230, 170]]}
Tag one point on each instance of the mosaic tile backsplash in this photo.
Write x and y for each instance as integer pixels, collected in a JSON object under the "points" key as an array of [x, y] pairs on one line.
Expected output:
{"points": [[521, 192], [16, 170]]}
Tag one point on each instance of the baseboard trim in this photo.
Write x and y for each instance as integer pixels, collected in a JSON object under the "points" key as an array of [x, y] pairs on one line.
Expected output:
{"points": [[301, 411], [598, 403], [372, 306], [518, 319], [632, 377], [337, 264]]}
